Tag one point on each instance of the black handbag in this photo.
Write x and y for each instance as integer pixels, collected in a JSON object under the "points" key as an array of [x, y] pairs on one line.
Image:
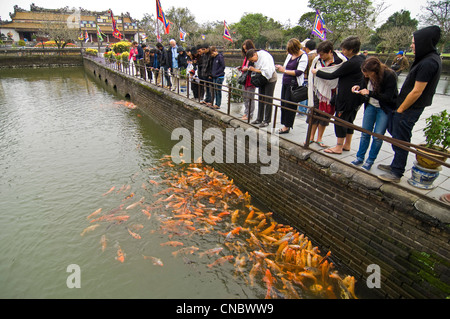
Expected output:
{"points": [[243, 78], [258, 79], [299, 93]]}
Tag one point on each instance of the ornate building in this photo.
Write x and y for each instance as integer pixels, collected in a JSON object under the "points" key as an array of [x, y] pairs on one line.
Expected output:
{"points": [[31, 25]]}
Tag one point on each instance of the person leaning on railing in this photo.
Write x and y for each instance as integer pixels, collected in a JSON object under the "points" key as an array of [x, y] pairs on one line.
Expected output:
{"points": [[347, 104], [380, 93], [264, 65]]}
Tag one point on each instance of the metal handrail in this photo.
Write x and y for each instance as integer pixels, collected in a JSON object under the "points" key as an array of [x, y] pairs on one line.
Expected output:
{"points": [[312, 113]]}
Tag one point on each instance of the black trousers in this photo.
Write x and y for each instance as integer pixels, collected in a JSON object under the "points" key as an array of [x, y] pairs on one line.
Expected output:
{"points": [[265, 103]]}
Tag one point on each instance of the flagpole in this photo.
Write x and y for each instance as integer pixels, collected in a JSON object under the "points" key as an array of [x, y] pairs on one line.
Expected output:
{"points": [[98, 31]]}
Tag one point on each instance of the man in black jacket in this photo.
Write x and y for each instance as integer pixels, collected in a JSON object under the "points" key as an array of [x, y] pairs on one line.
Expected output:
{"points": [[165, 66], [417, 93]]}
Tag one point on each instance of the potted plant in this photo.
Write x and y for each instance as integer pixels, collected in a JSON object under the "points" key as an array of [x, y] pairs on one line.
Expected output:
{"points": [[437, 135]]}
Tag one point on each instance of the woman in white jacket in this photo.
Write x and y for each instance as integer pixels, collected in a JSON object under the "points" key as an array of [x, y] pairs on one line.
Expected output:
{"points": [[293, 69]]}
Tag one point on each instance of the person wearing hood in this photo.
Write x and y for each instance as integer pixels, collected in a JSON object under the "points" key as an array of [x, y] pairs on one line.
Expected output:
{"points": [[416, 93]]}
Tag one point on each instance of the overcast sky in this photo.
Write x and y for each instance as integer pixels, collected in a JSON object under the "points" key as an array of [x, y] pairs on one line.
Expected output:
{"points": [[203, 10]]}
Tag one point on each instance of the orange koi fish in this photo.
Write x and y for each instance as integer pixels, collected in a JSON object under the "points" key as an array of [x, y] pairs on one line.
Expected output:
{"points": [[234, 216], [255, 269], [187, 250], [103, 242], [94, 213], [88, 229], [231, 232], [147, 213], [135, 204], [121, 218], [155, 261], [221, 261], [172, 243], [110, 190], [120, 254], [211, 251], [129, 196], [134, 235]]}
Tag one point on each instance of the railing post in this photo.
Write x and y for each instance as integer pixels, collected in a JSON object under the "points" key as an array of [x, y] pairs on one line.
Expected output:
{"points": [[229, 100], [308, 131]]}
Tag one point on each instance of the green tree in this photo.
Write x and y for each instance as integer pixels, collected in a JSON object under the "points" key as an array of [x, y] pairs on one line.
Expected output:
{"points": [[257, 27], [181, 18], [438, 13], [346, 17], [395, 34]]}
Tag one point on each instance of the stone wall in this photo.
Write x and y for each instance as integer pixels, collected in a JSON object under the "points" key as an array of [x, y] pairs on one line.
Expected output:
{"points": [[34, 58], [360, 219]]}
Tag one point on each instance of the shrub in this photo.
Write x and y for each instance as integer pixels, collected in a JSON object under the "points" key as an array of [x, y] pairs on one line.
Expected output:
{"points": [[108, 55], [125, 56], [120, 47], [93, 52], [21, 43]]}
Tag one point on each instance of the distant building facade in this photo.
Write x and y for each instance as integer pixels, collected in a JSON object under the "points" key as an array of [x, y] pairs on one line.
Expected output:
{"points": [[28, 25]]}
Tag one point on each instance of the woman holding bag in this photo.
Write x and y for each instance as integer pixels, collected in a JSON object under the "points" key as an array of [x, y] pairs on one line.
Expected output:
{"points": [[293, 77]]}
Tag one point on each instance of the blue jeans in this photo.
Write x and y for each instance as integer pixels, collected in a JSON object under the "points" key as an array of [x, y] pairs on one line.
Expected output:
{"points": [[376, 121], [402, 126], [217, 90]]}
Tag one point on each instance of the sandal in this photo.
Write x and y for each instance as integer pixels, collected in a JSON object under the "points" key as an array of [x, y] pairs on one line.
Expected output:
{"points": [[330, 151], [321, 144]]}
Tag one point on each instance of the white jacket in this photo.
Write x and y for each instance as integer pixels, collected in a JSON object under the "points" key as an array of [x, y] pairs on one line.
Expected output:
{"points": [[322, 87]]}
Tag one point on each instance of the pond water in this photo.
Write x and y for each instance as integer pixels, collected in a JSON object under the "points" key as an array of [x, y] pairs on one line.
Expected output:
{"points": [[70, 147]]}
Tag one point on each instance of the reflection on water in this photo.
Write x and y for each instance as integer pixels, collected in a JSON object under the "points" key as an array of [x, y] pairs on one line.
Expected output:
{"points": [[70, 154]]}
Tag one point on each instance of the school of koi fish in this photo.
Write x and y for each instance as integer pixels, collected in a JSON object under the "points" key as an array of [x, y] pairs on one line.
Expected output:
{"points": [[197, 200]]}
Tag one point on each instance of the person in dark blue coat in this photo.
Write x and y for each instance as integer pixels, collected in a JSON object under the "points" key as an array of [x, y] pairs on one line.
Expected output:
{"points": [[218, 74]]}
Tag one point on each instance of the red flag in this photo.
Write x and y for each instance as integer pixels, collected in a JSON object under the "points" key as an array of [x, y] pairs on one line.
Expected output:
{"points": [[116, 32], [162, 17], [226, 32]]}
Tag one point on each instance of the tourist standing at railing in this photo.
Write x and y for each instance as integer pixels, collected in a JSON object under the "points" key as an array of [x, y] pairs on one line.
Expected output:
{"points": [[172, 59], [265, 66], [148, 64], [164, 66], [380, 94], [293, 76], [155, 62], [347, 104], [321, 91], [416, 93], [132, 57], [192, 72], [204, 72], [140, 60], [310, 48], [249, 89], [400, 63], [218, 74]]}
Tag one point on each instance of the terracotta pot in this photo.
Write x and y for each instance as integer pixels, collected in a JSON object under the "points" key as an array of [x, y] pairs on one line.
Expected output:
{"points": [[427, 163]]}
